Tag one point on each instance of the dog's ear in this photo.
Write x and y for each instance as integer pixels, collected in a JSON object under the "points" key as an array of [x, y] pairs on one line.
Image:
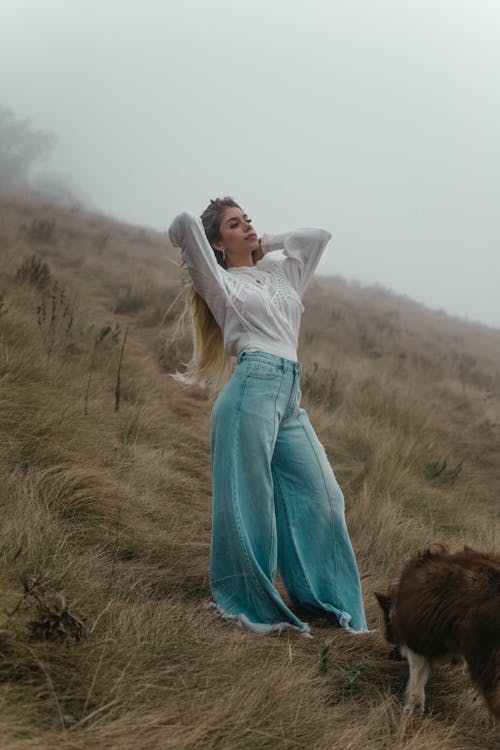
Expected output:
{"points": [[384, 600]]}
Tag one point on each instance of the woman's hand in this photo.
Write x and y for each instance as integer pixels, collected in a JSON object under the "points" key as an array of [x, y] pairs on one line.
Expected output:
{"points": [[258, 253]]}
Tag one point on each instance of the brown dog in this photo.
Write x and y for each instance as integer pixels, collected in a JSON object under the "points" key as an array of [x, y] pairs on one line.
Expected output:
{"points": [[446, 605]]}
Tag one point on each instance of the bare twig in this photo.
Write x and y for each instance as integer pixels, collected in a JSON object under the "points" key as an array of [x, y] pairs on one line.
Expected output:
{"points": [[29, 590], [102, 335], [118, 381]]}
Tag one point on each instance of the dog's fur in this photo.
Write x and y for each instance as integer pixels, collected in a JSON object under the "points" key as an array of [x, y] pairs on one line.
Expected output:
{"points": [[447, 605]]}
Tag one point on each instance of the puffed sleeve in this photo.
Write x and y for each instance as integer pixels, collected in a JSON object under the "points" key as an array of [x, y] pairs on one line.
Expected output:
{"points": [[186, 232], [302, 248]]}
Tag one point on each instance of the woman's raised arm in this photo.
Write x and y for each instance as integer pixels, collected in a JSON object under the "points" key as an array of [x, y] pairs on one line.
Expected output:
{"points": [[186, 232], [303, 249]]}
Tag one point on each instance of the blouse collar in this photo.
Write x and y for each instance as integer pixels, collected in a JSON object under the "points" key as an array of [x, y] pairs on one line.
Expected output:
{"points": [[237, 269]]}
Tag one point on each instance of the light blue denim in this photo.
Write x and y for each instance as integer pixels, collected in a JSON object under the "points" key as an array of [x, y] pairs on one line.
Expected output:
{"points": [[276, 504]]}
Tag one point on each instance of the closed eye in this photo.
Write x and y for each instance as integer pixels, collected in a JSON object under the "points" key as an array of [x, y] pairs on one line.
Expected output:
{"points": [[235, 222], [233, 226]]}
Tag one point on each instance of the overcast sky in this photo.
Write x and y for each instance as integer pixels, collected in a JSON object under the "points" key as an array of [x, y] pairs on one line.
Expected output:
{"points": [[378, 120]]}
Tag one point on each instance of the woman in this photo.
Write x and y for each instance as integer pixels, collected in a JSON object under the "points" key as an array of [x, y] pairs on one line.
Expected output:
{"points": [[276, 502]]}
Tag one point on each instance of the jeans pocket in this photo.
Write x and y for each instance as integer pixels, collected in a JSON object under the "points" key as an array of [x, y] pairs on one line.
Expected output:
{"points": [[263, 370]]}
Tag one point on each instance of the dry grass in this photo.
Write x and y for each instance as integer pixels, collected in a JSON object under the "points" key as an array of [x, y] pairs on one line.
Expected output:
{"points": [[113, 508]]}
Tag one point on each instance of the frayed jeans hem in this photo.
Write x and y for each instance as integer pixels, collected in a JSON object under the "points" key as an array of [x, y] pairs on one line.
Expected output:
{"points": [[258, 627]]}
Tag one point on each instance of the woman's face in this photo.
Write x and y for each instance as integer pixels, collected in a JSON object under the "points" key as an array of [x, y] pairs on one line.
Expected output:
{"points": [[238, 238]]}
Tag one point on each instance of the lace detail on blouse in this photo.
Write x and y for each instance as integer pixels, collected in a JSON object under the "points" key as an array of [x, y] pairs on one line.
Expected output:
{"points": [[283, 289]]}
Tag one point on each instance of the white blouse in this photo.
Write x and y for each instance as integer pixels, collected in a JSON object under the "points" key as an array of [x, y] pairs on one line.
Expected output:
{"points": [[258, 308]]}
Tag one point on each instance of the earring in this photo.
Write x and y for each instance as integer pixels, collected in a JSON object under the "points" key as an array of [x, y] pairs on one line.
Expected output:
{"points": [[223, 254]]}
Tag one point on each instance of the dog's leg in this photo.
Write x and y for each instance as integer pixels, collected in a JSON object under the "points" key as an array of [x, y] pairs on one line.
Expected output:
{"points": [[420, 670]]}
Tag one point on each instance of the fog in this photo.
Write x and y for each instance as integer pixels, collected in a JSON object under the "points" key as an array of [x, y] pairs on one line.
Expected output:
{"points": [[378, 120]]}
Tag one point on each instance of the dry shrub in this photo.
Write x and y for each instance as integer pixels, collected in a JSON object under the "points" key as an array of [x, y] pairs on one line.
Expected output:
{"points": [[3, 305], [101, 240], [56, 318], [42, 229], [53, 620], [35, 271], [132, 300]]}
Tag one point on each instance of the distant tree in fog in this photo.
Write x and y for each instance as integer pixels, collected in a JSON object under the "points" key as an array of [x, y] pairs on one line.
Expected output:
{"points": [[20, 146]]}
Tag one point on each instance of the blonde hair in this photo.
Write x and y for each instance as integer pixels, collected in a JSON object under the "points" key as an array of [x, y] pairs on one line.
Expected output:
{"points": [[209, 366]]}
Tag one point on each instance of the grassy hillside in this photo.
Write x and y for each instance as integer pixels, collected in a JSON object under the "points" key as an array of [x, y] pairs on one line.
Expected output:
{"points": [[105, 512]]}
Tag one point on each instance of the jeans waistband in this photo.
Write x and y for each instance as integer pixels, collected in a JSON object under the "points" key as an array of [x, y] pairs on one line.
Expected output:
{"points": [[283, 364]]}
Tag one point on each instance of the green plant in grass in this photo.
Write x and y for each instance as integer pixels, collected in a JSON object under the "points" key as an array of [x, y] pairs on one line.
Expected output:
{"points": [[440, 472], [351, 679]]}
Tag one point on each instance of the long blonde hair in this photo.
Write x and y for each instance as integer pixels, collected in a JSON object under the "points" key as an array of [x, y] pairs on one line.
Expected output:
{"points": [[209, 365]]}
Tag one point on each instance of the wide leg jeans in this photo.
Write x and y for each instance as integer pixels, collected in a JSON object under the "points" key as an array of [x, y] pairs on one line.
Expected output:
{"points": [[276, 504]]}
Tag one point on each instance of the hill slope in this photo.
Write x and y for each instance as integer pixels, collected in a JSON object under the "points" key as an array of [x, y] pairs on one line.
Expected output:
{"points": [[112, 507]]}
